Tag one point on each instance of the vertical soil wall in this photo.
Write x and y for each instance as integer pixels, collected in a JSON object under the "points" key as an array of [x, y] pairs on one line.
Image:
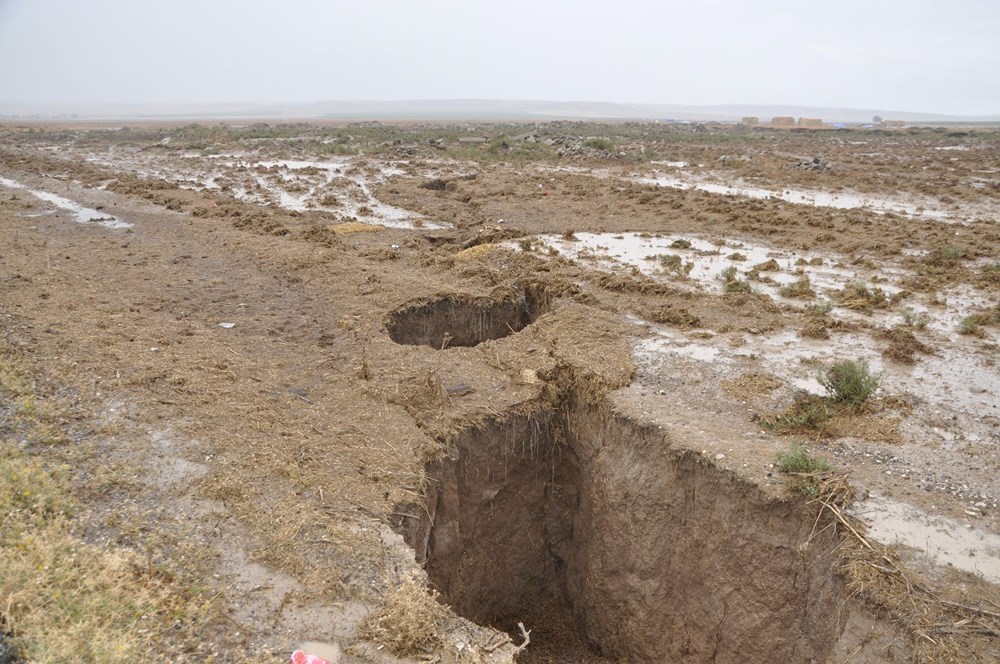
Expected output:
{"points": [[647, 552]]}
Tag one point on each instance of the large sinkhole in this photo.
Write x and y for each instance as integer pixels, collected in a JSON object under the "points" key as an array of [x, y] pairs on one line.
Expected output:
{"points": [[462, 320], [610, 545]]}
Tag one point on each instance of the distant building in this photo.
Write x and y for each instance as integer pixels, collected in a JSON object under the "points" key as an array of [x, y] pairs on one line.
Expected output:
{"points": [[750, 121], [811, 123], [893, 124], [783, 121]]}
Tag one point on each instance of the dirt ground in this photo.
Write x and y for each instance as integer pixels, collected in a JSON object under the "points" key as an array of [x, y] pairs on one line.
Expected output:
{"points": [[310, 377]]}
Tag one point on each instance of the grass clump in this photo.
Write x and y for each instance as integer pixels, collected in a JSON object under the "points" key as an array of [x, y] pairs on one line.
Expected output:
{"points": [[859, 297], [801, 289], [680, 243], [808, 412], [409, 621], [600, 143], [850, 382], [798, 460], [903, 345], [64, 600], [673, 315], [914, 319], [820, 308], [974, 324], [970, 326], [732, 283], [806, 469], [673, 264], [944, 256]]}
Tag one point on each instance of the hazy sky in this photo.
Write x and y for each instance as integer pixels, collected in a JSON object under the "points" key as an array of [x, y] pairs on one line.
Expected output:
{"points": [[917, 55]]}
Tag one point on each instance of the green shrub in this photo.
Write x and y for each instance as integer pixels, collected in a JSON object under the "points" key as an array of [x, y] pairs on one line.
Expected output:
{"points": [[798, 460], [970, 326], [600, 144], [850, 382]]}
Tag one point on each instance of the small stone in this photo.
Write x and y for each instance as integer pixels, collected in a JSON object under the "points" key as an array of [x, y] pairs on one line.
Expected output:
{"points": [[720, 456]]}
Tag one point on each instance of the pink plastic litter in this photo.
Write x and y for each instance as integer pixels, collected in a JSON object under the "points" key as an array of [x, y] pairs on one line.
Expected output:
{"points": [[302, 657]]}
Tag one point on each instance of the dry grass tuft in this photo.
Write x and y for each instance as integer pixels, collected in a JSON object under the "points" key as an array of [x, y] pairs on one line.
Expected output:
{"points": [[752, 384], [478, 251], [860, 297], [61, 598], [349, 227], [409, 621]]}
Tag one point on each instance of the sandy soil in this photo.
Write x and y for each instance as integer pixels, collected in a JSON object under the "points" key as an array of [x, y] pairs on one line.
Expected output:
{"points": [[269, 347]]}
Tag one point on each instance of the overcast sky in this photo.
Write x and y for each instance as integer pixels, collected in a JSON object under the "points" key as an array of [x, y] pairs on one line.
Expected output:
{"points": [[910, 55]]}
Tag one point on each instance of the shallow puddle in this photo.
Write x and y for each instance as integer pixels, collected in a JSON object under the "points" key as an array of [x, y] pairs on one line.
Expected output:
{"points": [[945, 541], [360, 203], [84, 215], [842, 200], [687, 258]]}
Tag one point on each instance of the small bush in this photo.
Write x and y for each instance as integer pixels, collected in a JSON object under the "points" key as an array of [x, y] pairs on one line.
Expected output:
{"points": [[944, 256], [680, 244], [850, 382], [970, 326], [600, 144], [798, 460]]}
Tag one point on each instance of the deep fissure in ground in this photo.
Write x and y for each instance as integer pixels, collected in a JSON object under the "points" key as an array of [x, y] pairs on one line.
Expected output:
{"points": [[460, 320], [608, 542]]}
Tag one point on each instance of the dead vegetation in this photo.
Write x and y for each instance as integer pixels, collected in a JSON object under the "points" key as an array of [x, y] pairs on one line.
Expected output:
{"points": [[409, 621], [63, 598], [903, 345]]}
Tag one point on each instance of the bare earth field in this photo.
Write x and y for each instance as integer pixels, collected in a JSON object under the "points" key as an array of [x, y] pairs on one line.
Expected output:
{"points": [[575, 393]]}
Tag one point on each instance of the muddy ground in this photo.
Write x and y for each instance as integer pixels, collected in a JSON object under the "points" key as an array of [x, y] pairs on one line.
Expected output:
{"points": [[314, 374]]}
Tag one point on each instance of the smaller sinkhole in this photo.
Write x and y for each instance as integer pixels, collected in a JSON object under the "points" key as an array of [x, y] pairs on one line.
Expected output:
{"points": [[462, 320]]}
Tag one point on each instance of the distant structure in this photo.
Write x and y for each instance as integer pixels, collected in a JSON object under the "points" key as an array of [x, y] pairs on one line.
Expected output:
{"points": [[783, 121], [750, 121], [893, 124], [811, 123]]}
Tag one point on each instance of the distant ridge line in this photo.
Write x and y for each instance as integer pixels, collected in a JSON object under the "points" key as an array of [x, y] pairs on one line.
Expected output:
{"points": [[453, 109]]}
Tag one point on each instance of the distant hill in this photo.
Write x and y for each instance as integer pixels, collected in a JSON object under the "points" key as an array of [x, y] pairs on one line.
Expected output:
{"points": [[461, 109]]}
